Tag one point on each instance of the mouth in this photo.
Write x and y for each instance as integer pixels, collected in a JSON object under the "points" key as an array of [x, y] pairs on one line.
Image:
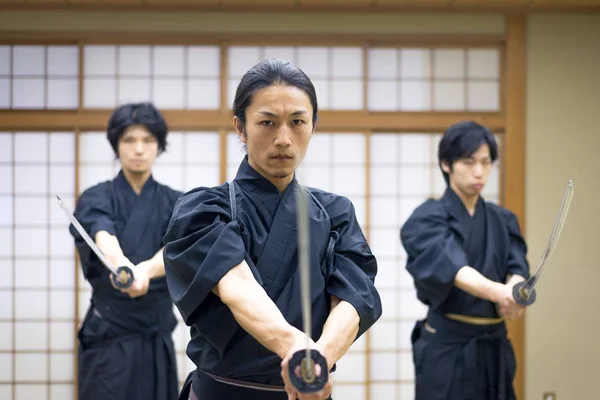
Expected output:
{"points": [[478, 185], [282, 157]]}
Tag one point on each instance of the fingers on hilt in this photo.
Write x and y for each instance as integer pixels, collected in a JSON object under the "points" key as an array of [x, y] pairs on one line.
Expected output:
{"points": [[123, 279], [308, 381]]}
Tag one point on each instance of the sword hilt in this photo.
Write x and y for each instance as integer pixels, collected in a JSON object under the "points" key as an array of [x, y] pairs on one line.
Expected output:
{"points": [[523, 294], [123, 279], [308, 381]]}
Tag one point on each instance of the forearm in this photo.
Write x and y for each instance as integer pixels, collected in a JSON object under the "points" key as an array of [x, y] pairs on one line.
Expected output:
{"points": [[513, 279], [472, 282], [255, 311], [156, 265], [340, 330], [110, 247]]}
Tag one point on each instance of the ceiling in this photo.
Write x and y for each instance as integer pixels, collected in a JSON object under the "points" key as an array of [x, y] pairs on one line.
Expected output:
{"points": [[495, 6]]}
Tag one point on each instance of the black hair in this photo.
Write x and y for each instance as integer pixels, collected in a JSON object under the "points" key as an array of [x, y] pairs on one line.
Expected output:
{"points": [[144, 114], [267, 73], [463, 139]]}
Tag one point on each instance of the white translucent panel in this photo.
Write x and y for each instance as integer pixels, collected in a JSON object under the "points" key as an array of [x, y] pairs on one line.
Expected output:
{"points": [[204, 61], [449, 96], [415, 149], [6, 308], [405, 279], [62, 304], [449, 63], [57, 216], [31, 211], [31, 336], [172, 176], [204, 94], [31, 179], [63, 61], [349, 180], [84, 297], [314, 61], [31, 304], [349, 392], [61, 392], [168, 61], [483, 63], [31, 273], [62, 274], [389, 297], [31, 242], [32, 391], [405, 329], [383, 63], [384, 391], [92, 175], [181, 370], [387, 273], [175, 150], [202, 148], [384, 336], [492, 186], [415, 96], [383, 366], [359, 209], [5, 60], [6, 271], [316, 177], [100, 60], [383, 241], [168, 93], [322, 89], [134, 61], [31, 367], [319, 149], [201, 176], [241, 59], [438, 182], [406, 391], [232, 85], [6, 237], [384, 149], [62, 335], [384, 212], [6, 363], [133, 90], [5, 100], [99, 92], [351, 368], [61, 243], [179, 337], [29, 61], [346, 62], [63, 93], [94, 147], [410, 306], [31, 147], [347, 95], [383, 95], [483, 96], [384, 181], [359, 345], [235, 151], [348, 148], [28, 93], [415, 63], [62, 180], [282, 53], [61, 367], [407, 205], [407, 369], [231, 172], [62, 147]]}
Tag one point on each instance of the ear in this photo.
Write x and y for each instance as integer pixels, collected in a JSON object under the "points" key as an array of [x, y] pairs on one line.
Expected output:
{"points": [[446, 167], [239, 129]]}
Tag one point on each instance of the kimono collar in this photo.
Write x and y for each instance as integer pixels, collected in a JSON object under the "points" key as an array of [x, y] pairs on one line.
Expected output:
{"points": [[456, 207], [251, 180], [123, 184]]}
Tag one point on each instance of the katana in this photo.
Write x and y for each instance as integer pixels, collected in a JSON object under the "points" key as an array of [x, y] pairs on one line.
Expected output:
{"points": [[307, 381], [122, 277], [524, 292]]}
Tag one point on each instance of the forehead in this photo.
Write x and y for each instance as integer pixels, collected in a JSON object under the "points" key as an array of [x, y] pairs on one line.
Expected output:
{"points": [[136, 131], [482, 151], [280, 99]]}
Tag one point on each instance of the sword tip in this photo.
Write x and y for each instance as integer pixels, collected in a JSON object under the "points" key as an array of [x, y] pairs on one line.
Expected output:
{"points": [[59, 199]]}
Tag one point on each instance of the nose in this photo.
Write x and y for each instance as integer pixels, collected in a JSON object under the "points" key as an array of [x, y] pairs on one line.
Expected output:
{"points": [[284, 137], [139, 147], [478, 170]]}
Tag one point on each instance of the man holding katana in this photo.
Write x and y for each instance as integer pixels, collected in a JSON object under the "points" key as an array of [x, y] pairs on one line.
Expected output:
{"points": [[263, 269]]}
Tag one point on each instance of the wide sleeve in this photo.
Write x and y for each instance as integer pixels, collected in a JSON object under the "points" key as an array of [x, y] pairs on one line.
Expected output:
{"points": [[351, 277], [433, 255], [200, 246], [517, 255]]}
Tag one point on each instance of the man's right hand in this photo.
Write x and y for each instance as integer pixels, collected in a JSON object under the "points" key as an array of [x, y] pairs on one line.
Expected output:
{"points": [[507, 306]]}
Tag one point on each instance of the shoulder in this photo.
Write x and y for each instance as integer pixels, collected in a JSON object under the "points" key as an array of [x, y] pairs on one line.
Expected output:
{"points": [[429, 209], [202, 199], [503, 212], [96, 193], [169, 192], [334, 204]]}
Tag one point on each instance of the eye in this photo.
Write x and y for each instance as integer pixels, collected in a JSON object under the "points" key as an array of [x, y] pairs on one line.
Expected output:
{"points": [[297, 122], [267, 123]]}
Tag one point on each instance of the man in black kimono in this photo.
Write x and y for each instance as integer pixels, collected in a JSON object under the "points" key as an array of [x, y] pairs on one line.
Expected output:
{"points": [[231, 256], [465, 255], [126, 351]]}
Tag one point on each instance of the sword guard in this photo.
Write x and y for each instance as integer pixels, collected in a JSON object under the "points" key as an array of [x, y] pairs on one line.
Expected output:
{"points": [[308, 381], [123, 279], [523, 295]]}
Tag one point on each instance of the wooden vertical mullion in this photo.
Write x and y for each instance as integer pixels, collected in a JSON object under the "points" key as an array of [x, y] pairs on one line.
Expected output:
{"points": [[224, 109]]}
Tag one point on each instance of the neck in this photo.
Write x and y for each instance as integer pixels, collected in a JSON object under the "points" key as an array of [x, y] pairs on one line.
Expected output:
{"points": [[468, 200], [281, 183], [136, 180]]}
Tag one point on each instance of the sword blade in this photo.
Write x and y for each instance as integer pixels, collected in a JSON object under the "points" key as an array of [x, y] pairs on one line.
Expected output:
{"points": [[86, 237], [556, 231], [304, 262]]}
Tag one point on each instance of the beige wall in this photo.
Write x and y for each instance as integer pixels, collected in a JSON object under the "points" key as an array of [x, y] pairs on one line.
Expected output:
{"points": [[563, 119], [563, 138]]}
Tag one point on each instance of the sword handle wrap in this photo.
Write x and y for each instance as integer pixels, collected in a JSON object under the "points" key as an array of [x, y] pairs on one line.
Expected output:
{"points": [[123, 279], [315, 382], [523, 295]]}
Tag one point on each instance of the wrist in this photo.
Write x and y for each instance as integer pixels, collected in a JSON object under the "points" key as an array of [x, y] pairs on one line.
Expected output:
{"points": [[495, 291], [287, 341]]}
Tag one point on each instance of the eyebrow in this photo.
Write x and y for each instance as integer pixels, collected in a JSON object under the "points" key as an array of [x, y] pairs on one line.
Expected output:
{"points": [[274, 115]]}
